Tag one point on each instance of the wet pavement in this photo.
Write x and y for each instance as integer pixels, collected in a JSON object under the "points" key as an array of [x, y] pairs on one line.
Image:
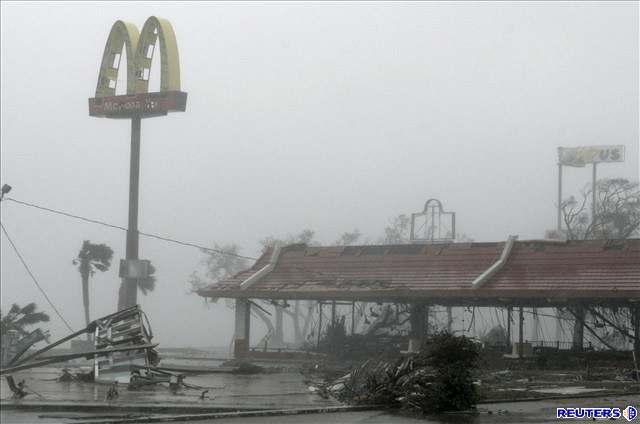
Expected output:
{"points": [[264, 391], [275, 390], [501, 413]]}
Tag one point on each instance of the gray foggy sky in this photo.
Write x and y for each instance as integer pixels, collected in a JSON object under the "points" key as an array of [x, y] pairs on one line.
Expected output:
{"points": [[328, 116]]}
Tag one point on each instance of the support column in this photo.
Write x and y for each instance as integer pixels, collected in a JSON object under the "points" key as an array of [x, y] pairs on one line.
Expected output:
{"points": [[320, 305], [578, 329], [635, 321], [558, 328], [449, 319], [353, 318], [417, 318], [242, 326], [536, 324], [509, 319], [426, 321], [278, 333], [333, 314], [520, 332]]}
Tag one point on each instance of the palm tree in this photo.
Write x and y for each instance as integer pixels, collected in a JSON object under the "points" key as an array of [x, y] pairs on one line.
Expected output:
{"points": [[20, 317], [147, 285], [91, 257]]}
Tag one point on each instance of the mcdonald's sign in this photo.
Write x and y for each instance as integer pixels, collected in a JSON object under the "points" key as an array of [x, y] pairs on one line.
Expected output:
{"points": [[139, 48]]}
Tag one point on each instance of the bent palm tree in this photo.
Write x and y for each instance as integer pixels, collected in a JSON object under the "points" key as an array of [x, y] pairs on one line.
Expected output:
{"points": [[20, 317], [91, 257]]}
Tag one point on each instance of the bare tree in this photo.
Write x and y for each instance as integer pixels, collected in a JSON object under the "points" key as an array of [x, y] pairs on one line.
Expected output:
{"points": [[349, 238], [217, 266], [397, 232], [617, 211]]}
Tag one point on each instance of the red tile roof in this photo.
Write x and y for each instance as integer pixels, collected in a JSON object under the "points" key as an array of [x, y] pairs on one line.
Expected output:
{"points": [[536, 272]]}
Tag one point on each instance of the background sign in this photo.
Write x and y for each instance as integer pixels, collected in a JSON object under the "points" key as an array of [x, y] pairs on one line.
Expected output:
{"points": [[580, 156]]}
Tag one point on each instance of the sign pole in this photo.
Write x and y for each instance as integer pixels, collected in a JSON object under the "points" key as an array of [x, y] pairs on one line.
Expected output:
{"points": [[559, 196], [581, 156], [131, 284]]}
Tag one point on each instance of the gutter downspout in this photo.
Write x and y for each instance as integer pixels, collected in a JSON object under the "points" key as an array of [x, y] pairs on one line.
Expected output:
{"points": [[497, 266], [273, 260]]}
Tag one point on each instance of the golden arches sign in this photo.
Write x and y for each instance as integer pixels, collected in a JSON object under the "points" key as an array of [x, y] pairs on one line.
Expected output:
{"points": [[140, 48]]}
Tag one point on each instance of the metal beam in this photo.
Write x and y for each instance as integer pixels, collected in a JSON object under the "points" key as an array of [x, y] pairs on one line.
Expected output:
{"points": [[63, 358]]}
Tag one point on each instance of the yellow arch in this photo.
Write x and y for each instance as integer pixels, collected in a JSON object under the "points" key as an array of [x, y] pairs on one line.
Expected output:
{"points": [[140, 50], [123, 34], [153, 29]]}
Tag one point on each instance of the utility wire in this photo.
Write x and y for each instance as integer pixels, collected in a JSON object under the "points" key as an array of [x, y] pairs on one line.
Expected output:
{"points": [[15, 249], [155, 236]]}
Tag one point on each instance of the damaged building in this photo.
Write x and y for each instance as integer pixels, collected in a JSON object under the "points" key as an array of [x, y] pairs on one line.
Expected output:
{"points": [[575, 275]]}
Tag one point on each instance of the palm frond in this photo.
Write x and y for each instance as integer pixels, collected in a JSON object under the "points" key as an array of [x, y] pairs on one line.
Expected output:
{"points": [[148, 284], [20, 317], [28, 308], [33, 318], [100, 266]]}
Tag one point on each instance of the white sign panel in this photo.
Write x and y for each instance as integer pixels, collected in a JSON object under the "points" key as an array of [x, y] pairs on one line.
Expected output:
{"points": [[134, 268], [580, 156]]}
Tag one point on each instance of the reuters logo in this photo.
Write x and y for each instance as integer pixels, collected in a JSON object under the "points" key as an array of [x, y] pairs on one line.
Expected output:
{"points": [[630, 413]]}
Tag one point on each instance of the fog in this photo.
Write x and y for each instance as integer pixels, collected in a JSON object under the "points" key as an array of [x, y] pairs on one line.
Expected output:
{"points": [[326, 116]]}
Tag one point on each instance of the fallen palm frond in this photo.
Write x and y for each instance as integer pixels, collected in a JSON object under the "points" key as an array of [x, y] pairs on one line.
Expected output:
{"points": [[436, 379]]}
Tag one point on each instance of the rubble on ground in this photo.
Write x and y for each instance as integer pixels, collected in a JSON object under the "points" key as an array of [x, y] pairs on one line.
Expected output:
{"points": [[434, 380]]}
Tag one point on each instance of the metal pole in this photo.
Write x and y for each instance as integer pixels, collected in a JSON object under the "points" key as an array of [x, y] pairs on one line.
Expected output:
{"points": [[433, 224], [559, 227], [131, 284], [593, 196]]}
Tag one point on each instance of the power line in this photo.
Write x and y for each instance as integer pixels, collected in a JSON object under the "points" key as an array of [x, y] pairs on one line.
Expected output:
{"points": [[117, 227], [155, 236], [15, 249]]}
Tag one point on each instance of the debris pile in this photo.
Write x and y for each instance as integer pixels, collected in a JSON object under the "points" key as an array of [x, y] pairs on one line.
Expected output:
{"points": [[437, 379]]}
